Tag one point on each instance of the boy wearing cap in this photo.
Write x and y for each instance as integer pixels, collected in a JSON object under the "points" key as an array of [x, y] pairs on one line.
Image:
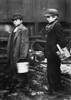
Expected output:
{"points": [[55, 36], [18, 44]]}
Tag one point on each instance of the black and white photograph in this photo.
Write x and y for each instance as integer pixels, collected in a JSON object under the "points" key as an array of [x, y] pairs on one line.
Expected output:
{"points": [[35, 49]]}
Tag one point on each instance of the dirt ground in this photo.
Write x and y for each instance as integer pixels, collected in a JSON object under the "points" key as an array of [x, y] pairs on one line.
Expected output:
{"points": [[36, 89]]}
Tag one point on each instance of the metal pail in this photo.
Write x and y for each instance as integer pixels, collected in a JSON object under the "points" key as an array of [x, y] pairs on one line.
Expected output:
{"points": [[23, 67]]}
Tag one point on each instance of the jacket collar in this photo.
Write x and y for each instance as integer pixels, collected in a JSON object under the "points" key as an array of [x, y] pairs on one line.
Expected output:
{"points": [[50, 26], [17, 30], [18, 27]]}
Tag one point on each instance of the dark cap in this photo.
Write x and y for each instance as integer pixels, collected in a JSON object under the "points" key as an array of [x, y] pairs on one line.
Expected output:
{"points": [[51, 12], [17, 16]]}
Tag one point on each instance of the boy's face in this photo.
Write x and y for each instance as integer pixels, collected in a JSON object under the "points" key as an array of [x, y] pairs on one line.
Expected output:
{"points": [[17, 22], [51, 18]]}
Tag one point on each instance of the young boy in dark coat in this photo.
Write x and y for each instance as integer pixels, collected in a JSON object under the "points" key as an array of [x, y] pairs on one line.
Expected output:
{"points": [[18, 46], [55, 36]]}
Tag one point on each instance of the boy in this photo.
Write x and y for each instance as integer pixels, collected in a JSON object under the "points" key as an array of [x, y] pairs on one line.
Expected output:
{"points": [[18, 46], [55, 36]]}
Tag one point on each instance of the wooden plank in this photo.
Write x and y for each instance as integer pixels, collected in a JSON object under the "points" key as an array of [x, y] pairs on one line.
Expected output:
{"points": [[28, 10], [68, 11], [3, 10], [40, 6], [14, 6]]}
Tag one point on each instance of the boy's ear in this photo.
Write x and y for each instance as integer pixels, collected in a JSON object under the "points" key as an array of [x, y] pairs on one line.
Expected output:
{"points": [[21, 21], [55, 16]]}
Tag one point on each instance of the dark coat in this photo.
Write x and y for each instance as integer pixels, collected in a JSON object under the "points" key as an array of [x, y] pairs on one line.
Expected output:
{"points": [[55, 36], [18, 46]]}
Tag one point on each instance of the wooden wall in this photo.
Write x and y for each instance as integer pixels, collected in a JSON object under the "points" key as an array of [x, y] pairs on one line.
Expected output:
{"points": [[3, 11], [60, 5], [33, 10], [25, 7], [68, 11]]}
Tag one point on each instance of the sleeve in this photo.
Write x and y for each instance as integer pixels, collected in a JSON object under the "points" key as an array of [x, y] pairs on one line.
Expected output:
{"points": [[24, 46], [61, 40]]}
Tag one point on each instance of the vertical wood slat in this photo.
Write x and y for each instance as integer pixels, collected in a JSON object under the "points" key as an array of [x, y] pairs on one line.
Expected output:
{"points": [[28, 10], [40, 6], [68, 11], [36, 28], [3, 10], [14, 6]]}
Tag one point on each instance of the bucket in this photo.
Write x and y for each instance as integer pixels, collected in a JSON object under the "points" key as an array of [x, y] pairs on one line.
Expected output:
{"points": [[23, 67]]}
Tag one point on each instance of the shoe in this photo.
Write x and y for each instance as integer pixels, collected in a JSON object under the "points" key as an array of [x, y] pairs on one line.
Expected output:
{"points": [[51, 96], [58, 93]]}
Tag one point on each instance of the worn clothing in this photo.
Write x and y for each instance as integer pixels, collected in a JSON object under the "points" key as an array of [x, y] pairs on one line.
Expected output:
{"points": [[55, 36], [18, 46]]}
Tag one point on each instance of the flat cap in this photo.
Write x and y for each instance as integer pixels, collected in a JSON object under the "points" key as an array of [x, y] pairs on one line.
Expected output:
{"points": [[51, 12], [17, 16]]}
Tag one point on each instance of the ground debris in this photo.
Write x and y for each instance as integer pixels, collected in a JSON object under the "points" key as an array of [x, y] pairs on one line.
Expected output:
{"points": [[37, 88]]}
